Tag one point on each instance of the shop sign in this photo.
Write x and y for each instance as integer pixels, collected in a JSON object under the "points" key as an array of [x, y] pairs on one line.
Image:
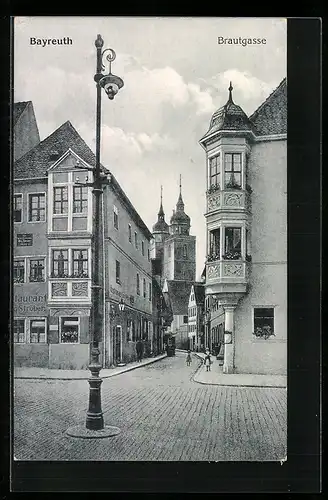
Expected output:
{"points": [[30, 304], [24, 240], [121, 295]]}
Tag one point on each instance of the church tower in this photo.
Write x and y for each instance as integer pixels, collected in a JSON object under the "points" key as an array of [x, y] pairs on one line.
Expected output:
{"points": [[160, 233], [180, 246]]}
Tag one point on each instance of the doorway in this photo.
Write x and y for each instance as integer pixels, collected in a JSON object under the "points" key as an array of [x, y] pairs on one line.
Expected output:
{"points": [[117, 347]]}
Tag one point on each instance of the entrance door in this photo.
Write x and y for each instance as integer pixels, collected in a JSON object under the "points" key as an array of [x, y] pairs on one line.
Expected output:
{"points": [[117, 344]]}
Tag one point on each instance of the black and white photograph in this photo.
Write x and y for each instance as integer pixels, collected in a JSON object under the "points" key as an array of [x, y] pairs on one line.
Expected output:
{"points": [[149, 214]]}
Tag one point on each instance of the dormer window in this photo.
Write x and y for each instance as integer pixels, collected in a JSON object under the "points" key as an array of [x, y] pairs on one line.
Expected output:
{"points": [[54, 155], [232, 170]]}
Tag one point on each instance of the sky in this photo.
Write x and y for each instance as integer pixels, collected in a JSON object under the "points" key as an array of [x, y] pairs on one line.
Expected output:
{"points": [[175, 76]]}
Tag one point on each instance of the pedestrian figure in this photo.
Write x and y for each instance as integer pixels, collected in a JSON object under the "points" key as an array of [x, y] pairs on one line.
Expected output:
{"points": [[139, 349], [188, 360], [208, 361]]}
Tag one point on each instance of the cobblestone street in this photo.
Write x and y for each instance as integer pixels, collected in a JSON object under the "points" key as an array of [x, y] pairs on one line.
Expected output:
{"points": [[162, 413]]}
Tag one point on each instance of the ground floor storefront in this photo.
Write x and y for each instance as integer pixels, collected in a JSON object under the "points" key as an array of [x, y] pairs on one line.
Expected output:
{"points": [[59, 337]]}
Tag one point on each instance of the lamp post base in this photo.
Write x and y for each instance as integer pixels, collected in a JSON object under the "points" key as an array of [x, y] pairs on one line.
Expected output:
{"points": [[80, 431]]}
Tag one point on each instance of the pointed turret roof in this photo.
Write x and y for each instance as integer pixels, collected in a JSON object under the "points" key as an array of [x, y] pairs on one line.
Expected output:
{"points": [[229, 117], [179, 216], [161, 226]]}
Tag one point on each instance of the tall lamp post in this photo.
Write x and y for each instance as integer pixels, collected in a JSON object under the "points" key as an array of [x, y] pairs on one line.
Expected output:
{"points": [[94, 427]]}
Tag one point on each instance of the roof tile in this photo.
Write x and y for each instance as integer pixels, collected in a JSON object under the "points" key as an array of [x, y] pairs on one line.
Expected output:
{"points": [[271, 117]]}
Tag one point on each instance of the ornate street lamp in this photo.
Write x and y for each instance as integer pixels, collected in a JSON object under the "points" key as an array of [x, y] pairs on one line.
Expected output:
{"points": [[94, 427]]}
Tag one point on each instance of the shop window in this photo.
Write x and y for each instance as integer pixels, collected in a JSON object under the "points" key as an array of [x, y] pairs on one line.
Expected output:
{"points": [[263, 322], [37, 207], [60, 200], [18, 209], [19, 331], [80, 199], [37, 331], [133, 327], [37, 270], [232, 243], [232, 170], [19, 271], [118, 272], [115, 213], [69, 331], [128, 330]]}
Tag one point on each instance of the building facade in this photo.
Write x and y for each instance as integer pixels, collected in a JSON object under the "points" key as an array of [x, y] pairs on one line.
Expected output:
{"points": [[196, 308], [174, 252], [246, 220], [53, 225]]}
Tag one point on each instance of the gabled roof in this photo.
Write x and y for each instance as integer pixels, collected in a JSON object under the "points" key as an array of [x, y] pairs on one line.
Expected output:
{"points": [[18, 110], [199, 290], [179, 292], [271, 117], [36, 162]]}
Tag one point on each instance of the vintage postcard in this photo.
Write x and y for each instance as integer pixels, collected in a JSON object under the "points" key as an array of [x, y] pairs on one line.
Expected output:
{"points": [[150, 239]]}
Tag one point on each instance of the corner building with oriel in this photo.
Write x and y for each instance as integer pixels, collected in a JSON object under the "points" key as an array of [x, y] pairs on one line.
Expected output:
{"points": [[246, 227]]}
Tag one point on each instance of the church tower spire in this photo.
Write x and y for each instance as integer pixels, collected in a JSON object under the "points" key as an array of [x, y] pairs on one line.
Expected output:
{"points": [[180, 204], [180, 221], [160, 226]]}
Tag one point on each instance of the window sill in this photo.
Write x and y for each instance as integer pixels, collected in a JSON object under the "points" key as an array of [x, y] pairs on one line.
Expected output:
{"points": [[271, 340]]}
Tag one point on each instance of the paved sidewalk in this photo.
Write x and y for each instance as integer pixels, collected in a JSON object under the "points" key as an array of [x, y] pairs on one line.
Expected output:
{"points": [[217, 377], [51, 374]]}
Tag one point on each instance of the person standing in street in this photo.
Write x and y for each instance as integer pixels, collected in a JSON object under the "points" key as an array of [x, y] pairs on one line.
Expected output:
{"points": [[188, 359], [139, 348], [208, 361]]}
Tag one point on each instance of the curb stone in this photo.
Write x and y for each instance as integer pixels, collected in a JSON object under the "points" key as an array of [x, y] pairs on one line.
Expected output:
{"points": [[128, 369]]}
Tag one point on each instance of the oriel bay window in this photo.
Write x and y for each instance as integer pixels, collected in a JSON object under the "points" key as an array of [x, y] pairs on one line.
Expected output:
{"points": [[69, 330], [19, 271], [232, 243], [214, 173], [37, 331], [214, 245], [37, 270], [37, 207], [232, 170], [70, 263]]}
